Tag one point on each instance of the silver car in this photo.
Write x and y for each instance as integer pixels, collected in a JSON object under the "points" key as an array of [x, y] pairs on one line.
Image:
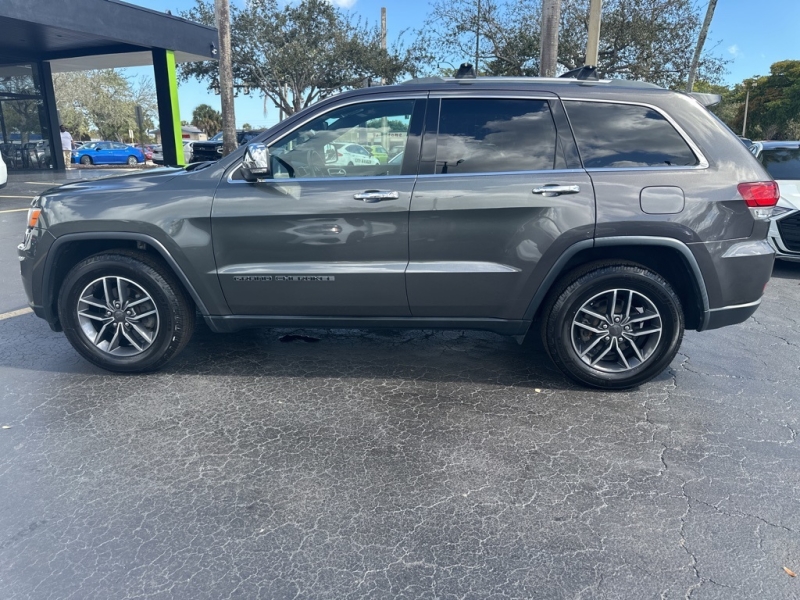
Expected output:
{"points": [[782, 161]]}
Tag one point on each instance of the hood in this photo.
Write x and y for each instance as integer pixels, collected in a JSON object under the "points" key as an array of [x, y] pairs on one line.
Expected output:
{"points": [[790, 193], [129, 181]]}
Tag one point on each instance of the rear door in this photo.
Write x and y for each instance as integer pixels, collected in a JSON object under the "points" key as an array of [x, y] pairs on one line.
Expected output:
{"points": [[500, 195]]}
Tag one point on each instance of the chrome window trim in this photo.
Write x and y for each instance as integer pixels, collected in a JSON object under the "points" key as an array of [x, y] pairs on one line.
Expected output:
{"points": [[308, 179], [506, 173], [356, 100], [701, 158]]}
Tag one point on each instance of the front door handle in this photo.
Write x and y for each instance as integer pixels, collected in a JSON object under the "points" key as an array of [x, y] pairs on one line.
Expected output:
{"points": [[556, 190], [376, 195]]}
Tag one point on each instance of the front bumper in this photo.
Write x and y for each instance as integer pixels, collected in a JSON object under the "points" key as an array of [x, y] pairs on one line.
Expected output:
{"points": [[782, 236]]}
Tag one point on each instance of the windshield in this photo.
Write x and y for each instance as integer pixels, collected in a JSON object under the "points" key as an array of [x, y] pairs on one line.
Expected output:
{"points": [[217, 138], [782, 163]]}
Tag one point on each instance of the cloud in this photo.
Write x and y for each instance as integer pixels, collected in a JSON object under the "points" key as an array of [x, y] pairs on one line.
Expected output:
{"points": [[734, 50], [343, 3]]}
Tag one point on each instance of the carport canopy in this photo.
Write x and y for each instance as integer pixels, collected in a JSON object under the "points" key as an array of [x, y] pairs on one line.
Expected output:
{"points": [[54, 36]]}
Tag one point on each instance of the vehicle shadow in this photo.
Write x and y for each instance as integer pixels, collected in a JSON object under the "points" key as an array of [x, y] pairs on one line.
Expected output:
{"points": [[425, 356], [786, 270]]}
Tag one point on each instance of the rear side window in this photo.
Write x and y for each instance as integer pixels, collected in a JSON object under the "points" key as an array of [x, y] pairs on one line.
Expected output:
{"points": [[495, 135], [622, 136], [782, 163]]}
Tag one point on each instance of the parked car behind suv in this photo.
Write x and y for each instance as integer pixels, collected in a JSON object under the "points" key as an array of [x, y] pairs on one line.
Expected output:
{"points": [[607, 216], [782, 161], [212, 149]]}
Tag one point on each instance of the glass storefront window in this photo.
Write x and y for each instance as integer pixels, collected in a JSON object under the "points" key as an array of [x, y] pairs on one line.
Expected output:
{"points": [[24, 139]]}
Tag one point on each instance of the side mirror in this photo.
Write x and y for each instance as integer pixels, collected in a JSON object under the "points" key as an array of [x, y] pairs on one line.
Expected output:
{"points": [[256, 161]]}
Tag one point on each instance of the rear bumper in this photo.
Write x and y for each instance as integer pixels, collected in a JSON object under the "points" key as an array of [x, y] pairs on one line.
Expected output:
{"points": [[735, 273], [730, 315]]}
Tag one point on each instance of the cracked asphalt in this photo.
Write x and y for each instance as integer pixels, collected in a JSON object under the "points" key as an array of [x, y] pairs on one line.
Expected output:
{"points": [[398, 464]]}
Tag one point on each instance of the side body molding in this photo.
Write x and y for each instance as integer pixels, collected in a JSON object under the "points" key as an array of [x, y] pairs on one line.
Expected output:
{"points": [[558, 268], [114, 235]]}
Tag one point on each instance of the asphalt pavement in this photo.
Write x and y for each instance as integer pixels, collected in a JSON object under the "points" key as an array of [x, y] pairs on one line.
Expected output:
{"points": [[396, 464]]}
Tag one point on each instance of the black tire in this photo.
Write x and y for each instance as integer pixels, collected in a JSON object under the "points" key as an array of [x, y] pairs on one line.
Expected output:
{"points": [[133, 161], [596, 281], [350, 164], [175, 311], [86, 160]]}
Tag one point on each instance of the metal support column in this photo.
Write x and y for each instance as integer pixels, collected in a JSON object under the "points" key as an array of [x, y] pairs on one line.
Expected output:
{"points": [[50, 127], [168, 113]]}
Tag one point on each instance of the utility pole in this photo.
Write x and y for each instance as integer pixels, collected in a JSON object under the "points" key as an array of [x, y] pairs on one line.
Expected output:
{"points": [[701, 40], [222, 14], [548, 51], [746, 107], [593, 42], [384, 120], [478, 38]]}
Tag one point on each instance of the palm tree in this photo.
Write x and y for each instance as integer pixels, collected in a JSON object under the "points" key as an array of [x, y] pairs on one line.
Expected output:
{"points": [[207, 119]]}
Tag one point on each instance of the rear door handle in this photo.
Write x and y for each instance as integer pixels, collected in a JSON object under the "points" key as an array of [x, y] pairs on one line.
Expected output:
{"points": [[556, 190], [376, 195]]}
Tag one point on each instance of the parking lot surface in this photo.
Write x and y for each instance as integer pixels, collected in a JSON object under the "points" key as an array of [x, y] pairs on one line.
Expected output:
{"points": [[396, 464]]}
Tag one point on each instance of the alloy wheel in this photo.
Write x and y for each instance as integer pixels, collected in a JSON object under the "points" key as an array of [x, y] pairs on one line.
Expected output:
{"points": [[118, 316], [616, 330]]}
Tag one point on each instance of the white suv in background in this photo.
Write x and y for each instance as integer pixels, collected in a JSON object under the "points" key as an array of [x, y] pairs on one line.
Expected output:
{"points": [[349, 155], [3, 173], [782, 161]]}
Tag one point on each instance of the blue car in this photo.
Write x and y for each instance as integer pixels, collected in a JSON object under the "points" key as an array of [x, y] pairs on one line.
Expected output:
{"points": [[107, 153]]}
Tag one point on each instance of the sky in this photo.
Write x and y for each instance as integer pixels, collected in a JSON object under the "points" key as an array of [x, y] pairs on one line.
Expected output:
{"points": [[751, 34]]}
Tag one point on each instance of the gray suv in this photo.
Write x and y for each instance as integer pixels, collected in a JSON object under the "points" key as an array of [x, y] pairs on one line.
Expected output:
{"points": [[607, 215]]}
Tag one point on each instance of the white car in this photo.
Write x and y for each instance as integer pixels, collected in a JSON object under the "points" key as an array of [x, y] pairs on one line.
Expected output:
{"points": [[187, 151], [348, 155], [782, 161], [3, 173]]}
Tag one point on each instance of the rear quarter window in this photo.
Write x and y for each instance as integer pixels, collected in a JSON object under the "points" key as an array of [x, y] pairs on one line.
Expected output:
{"points": [[623, 136]]}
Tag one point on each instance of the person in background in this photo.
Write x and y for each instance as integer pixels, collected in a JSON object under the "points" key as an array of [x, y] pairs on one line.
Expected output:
{"points": [[66, 146]]}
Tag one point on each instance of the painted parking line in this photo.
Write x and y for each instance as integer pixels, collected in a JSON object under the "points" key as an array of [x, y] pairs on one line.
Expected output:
{"points": [[12, 210], [26, 197], [50, 183], [15, 313]]}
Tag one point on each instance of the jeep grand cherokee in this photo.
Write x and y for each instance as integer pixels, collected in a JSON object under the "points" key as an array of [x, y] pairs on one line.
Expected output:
{"points": [[609, 215]]}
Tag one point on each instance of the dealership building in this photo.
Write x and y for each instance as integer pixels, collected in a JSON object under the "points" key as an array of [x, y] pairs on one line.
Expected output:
{"points": [[42, 37]]}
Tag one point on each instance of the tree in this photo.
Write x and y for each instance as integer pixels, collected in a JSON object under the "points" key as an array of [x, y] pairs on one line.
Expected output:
{"points": [[207, 119], [774, 111], [648, 40], [297, 54], [103, 101], [247, 127]]}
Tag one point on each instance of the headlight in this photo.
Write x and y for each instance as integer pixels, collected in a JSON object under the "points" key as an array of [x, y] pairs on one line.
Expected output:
{"points": [[779, 210]]}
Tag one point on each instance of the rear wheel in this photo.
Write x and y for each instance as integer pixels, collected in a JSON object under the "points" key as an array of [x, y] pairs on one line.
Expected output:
{"points": [[133, 161], [86, 160], [613, 326], [125, 312]]}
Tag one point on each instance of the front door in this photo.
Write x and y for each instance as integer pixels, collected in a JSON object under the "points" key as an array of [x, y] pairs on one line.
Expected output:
{"points": [[319, 238], [504, 197]]}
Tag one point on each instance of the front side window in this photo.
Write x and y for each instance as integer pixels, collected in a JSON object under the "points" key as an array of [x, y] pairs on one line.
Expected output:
{"points": [[485, 135], [624, 136], [782, 163], [332, 145]]}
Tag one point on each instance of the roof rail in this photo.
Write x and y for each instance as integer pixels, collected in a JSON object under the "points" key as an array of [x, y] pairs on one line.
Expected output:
{"points": [[628, 83]]}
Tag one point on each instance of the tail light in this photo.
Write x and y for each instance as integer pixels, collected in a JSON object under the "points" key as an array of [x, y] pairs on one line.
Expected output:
{"points": [[760, 197]]}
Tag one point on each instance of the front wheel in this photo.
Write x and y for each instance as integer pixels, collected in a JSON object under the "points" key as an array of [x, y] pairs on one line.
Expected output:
{"points": [[133, 161], [613, 326], [86, 160], [125, 312]]}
